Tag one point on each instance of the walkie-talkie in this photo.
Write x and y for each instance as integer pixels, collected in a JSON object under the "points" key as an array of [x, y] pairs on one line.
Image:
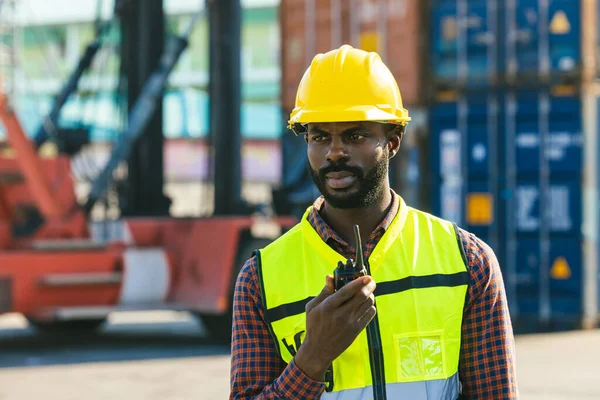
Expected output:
{"points": [[346, 273]]}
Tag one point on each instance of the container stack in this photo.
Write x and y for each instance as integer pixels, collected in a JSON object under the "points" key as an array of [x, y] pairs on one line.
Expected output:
{"points": [[514, 130]]}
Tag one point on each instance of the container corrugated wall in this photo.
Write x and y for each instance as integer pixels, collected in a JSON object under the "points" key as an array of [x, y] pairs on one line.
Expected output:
{"points": [[464, 42], [514, 135], [543, 40], [543, 205], [464, 154], [482, 43]]}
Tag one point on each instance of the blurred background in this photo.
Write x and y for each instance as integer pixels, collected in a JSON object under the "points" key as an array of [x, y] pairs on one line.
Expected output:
{"points": [[144, 153]]}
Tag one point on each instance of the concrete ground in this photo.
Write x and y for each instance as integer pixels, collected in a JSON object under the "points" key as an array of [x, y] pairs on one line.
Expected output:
{"points": [[164, 356], [559, 366]]}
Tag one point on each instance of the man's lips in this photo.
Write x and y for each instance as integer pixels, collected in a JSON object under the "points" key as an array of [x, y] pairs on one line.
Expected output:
{"points": [[339, 174], [340, 180]]}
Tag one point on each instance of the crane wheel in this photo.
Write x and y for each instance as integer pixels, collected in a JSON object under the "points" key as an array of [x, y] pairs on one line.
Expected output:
{"points": [[219, 325]]}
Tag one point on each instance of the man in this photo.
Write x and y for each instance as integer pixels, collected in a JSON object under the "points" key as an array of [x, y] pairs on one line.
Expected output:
{"points": [[430, 319]]}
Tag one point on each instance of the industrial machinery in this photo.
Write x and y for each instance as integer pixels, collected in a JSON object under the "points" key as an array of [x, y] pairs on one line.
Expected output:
{"points": [[61, 275]]}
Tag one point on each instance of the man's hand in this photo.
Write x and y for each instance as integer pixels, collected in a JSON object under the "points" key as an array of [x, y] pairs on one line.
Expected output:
{"points": [[333, 321]]}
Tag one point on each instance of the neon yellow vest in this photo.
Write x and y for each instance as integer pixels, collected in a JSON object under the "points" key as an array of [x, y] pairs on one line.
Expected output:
{"points": [[411, 348]]}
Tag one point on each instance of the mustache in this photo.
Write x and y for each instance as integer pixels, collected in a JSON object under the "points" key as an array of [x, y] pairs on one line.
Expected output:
{"points": [[341, 167]]}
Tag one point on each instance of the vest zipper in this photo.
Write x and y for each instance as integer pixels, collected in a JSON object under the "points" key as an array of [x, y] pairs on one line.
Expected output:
{"points": [[376, 355]]}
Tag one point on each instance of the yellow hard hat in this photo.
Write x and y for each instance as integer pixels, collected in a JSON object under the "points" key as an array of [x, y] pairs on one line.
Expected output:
{"points": [[347, 85]]}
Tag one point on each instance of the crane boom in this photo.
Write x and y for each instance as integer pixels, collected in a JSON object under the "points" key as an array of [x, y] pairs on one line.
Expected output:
{"points": [[140, 115]]}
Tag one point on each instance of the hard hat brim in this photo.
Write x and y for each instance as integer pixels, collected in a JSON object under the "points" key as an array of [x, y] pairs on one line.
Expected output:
{"points": [[301, 117]]}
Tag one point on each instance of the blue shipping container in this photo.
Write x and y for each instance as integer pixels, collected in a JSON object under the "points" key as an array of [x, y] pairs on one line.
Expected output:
{"points": [[542, 36], [465, 163], [553, 289], [533, 114], [464, 41], [466, 132], [526, 203], [563, 202], [470, 203], [476, 43]]}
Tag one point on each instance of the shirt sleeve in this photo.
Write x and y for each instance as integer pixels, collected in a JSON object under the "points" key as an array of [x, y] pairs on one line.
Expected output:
{"points": [[257, 371], [487, 367]]}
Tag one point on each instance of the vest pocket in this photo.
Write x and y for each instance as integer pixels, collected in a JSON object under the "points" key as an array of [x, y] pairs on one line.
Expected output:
{"points": [[420, 356]]}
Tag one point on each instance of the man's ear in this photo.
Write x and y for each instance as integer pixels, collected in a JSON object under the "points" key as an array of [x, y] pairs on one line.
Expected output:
{"points": [[395, 139]]}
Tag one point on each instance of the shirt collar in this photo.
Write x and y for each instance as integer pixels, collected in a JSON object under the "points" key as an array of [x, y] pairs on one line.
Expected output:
{"points": [[327, 233]]}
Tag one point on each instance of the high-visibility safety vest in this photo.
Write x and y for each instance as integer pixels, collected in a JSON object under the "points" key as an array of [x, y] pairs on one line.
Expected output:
{"points": [[410, 350]]}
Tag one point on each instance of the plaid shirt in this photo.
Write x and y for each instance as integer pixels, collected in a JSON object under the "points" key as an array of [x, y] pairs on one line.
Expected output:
{"points": [[487, 356]]}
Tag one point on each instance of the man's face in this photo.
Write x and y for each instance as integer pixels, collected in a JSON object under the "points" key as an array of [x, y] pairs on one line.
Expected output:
{"points": [[349, 161]]}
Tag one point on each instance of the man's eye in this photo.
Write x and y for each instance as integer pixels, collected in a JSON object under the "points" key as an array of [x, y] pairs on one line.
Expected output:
{"points": [[357, 136], [318, 138]]}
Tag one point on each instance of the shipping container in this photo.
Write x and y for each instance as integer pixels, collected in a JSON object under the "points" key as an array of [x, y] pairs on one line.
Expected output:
{"points": [[554, 293], [392, 28], [476, 43], [464, 42], [544, 39], [537, 189], [465, 165], [545, 170], [533, 112]]}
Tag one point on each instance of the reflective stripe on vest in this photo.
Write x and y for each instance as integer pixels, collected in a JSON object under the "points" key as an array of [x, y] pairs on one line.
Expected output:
{"points": [[413, 343], [444, 389]]}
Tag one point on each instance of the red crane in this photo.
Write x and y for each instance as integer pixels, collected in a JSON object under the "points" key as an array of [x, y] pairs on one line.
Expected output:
{"points": [[55, 273]]}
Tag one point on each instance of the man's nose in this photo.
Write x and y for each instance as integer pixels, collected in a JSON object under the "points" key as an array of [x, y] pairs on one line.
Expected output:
{"points": [[337, 150]]}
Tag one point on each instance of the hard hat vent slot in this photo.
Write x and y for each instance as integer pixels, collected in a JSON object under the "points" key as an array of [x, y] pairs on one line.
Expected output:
{"points": [[340, 58], [370, 62]]}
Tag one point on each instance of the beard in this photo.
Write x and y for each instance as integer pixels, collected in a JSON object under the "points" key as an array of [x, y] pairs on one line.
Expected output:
{"points": [[370, 184]]}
